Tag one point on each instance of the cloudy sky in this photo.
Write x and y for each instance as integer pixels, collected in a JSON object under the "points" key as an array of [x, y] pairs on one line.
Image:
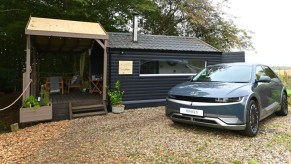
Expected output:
{"points": [[271, 23]]}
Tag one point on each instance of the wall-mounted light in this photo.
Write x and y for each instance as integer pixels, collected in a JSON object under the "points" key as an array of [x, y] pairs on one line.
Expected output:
{"points": [[122, 52]]}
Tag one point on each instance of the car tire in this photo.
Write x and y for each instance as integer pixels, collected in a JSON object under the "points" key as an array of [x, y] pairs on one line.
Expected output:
{"points": [[284, 106], [252, 119]]}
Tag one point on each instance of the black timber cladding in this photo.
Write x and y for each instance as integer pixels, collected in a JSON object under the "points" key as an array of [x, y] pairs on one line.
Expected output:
{"points": [[138, 87], [150, 90], [231, 57]]}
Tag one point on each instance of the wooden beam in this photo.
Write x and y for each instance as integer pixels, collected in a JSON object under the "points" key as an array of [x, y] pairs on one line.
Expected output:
{"points": [[101, 44], [26, 76]]}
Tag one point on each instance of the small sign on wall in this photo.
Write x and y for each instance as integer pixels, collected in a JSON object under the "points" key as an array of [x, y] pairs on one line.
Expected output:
{"points": [[125, 68]]}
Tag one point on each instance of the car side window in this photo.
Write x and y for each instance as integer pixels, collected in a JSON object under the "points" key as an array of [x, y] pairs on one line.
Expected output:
{"points": [[259, 72], [269, 72]]}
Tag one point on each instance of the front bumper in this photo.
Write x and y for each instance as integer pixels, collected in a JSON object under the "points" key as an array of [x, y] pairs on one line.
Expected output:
{"points": [[218, 115]]}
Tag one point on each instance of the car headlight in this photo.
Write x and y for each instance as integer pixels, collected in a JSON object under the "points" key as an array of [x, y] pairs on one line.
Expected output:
{"points": [[230, 99]]}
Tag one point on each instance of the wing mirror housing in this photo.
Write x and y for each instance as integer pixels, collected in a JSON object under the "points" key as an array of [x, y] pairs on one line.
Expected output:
{"points": [[264, 79]]}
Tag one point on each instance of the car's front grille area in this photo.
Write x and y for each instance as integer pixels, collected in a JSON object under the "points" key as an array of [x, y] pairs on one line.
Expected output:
{"points": [[194, 119], [193, 99], [204, 121], [181, 117]]}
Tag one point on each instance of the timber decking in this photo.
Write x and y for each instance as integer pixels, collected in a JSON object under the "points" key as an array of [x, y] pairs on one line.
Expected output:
{"points": [[76, 104], [75, 96]]}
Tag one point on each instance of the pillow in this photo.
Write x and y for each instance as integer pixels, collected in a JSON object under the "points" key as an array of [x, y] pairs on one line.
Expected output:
{"points": [[73, 81]]}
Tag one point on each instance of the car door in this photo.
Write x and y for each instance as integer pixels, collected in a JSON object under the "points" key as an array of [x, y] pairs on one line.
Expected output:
{"points": [[275, 86], [263, 90]]}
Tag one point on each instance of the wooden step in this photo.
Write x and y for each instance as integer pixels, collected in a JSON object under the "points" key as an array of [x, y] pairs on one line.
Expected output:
{"points": [[89, 107], [86, 109], [89, 114]]}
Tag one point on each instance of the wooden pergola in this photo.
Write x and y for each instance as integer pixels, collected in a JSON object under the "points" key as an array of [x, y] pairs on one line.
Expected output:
{"points": [[55, 35]]}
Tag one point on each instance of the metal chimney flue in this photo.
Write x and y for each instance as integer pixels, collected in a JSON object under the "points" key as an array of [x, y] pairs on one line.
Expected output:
{"points": [[135, 27]]}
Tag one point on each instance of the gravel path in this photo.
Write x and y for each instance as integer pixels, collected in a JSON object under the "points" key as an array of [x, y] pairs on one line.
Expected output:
{"points": [[144, 135]]}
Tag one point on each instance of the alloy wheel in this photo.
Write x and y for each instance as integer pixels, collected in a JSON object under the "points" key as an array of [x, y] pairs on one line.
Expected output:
{"points": [[254, 117]]}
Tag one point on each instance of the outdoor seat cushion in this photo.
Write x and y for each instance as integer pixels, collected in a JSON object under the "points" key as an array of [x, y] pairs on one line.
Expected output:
{"points": [[76, 79], [54, 84]]}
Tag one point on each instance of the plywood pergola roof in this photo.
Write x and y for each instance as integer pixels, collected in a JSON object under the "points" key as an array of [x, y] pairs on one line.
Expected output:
{"points": [[56, 35]]}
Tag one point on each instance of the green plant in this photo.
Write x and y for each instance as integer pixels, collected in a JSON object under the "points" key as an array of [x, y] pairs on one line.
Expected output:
{"points": [[44, 97], [115, 95], [86, 84], [30, 101], [253, 161]]}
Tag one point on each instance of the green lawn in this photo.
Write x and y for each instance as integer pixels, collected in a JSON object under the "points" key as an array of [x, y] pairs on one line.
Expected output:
{"points": [[289, 92]]}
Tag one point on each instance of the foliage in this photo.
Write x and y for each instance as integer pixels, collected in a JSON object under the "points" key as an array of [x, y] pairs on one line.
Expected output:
{"points": [[253, 161], [86, 84], [30, 101], [116, 95], [289, 102], [44, 97], [284, 77], [199, 18]]}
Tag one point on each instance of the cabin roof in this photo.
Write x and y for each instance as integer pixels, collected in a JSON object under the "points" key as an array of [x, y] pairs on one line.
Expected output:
{"points": [[158, 42]]}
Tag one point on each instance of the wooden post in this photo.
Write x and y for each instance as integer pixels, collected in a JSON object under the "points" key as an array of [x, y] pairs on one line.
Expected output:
{"points": [[33, 89], [26, 76], [105, 76], [105, 71]]}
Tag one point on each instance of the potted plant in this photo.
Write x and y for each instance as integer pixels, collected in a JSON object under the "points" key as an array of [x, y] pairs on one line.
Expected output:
{"points": [[86, 86], [115, 97], [33, 110]]}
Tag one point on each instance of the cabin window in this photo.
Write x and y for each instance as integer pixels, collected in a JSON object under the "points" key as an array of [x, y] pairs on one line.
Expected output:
{"points": [[152, 67]]}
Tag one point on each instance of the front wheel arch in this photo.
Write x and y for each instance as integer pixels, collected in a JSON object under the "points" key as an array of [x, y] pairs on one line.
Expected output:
{"points": [[284, 105], [256, 98], [252, 118]]}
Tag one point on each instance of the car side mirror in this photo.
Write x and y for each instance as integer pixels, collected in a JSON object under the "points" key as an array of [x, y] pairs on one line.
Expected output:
{"points": [[264, 79]]}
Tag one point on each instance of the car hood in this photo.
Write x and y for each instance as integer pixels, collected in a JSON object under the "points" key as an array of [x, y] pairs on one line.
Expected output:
{"points": [[210, 89]]}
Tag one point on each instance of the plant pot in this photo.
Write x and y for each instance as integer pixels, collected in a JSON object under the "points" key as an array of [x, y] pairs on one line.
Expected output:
{"points": [[42, 113], [117, 108]]}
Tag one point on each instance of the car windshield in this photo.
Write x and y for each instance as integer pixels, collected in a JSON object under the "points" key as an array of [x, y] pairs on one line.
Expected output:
{"points": [[225, 73]]}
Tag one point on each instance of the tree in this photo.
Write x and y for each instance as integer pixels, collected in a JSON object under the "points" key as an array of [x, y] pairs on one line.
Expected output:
{"points": [[199, 18]]}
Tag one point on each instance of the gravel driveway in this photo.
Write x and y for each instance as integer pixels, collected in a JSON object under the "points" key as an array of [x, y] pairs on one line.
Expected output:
{"points": [[144, 135]]}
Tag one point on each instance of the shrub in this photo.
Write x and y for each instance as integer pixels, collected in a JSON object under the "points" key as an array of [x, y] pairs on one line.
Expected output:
{"points": [[44, 97], [116, 95], [31, 101]]}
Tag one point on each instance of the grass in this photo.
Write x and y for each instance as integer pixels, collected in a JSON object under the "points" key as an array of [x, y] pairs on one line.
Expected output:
{"points": [[272, 126], [253, 161], [289, 92], [283, 139]]}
